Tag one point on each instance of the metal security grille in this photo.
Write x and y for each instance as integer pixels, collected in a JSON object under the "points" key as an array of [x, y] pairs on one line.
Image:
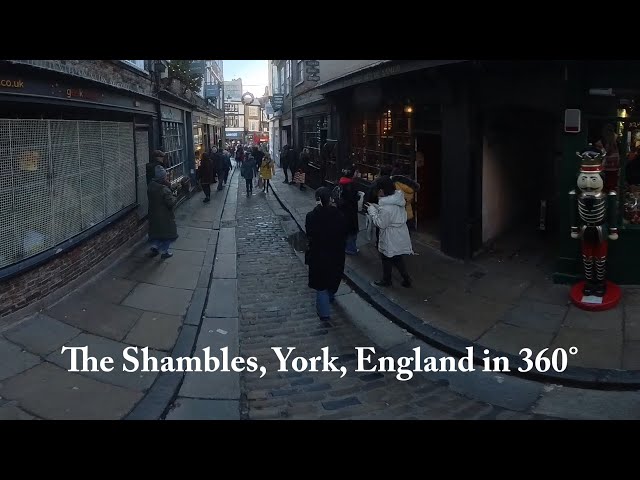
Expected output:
{"points": [[174, 147], [59, 178]]}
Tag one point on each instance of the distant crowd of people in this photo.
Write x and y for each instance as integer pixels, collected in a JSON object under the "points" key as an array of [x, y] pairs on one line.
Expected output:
{"points": [[332, 227]]}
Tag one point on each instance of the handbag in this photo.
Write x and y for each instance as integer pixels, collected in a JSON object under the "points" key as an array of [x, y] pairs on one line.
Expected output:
{"points": [[299, 177]]}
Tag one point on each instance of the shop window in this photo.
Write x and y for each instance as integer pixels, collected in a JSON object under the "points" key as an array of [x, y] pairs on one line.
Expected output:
{"points": [[299, 70], [59, 178], [174, 146]]}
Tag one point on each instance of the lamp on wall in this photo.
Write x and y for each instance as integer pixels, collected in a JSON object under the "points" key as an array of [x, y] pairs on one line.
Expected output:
{"points": [[408, 108]]}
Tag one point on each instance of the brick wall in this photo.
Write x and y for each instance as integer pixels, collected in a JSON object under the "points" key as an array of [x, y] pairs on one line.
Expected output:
{"points": [[19, 292]]}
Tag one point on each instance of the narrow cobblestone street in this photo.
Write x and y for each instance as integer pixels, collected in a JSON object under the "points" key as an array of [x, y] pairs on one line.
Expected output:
{"points": [[277, 309]]}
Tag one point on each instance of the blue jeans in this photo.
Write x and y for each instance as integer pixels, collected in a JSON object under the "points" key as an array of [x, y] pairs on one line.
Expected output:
{"points": [[323, 302], [161, 245], [350, 246]]}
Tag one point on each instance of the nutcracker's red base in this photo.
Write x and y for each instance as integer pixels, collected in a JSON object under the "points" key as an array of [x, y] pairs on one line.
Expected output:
{"points": [[610, 300]]}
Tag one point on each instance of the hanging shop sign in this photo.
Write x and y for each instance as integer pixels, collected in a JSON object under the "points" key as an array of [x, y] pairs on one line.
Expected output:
{"points": [[277, 100], [312, 68]]}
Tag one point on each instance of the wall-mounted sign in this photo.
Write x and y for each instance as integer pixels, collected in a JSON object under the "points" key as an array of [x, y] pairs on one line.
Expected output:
{"points": [[83, 94], [6, 83], [572, 118], [277, 100], [232, 91], [171, 114], [313, 70], [211, 91]]}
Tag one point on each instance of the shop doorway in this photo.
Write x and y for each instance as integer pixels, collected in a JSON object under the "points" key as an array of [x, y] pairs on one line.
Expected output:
{"points": [[429, 176], [520, 147]]}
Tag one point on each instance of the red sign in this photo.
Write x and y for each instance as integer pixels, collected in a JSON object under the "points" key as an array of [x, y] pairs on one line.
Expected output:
{"points": [[82, 94]]}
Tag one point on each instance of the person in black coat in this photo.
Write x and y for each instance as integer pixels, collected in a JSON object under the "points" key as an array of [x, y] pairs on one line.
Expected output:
{"points": [[292, 162], [326, 236], [205, 175]]}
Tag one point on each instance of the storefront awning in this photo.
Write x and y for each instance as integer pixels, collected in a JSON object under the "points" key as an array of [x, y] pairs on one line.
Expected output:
{"points": [[381, 70]]}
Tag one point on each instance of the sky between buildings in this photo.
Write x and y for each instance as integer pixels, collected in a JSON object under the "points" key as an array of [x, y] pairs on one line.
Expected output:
{"points": [[254, 74]]}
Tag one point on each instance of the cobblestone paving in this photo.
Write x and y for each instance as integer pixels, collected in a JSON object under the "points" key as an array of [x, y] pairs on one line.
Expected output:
{"points": [[277, 310]]}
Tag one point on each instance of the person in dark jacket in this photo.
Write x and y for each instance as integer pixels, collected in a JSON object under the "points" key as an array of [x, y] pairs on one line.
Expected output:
{"points": [[247, 171], [218, 166], [205, 175], [258, 155], [162, 223], [239, 155], [346, 200], [326, 235], [157, 160], [226, 156], [292, 162], [284, 163]]}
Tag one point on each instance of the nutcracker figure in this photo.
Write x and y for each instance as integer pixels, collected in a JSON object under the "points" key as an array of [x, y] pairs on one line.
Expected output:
{"points": [[594, 216]]}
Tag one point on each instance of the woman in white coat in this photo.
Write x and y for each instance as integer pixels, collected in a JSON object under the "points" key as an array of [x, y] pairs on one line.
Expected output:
{"points": [[390, 216]]}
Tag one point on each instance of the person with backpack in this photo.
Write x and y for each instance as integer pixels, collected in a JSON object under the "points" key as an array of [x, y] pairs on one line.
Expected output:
{"points": [[247, 171], [390, 216], [345, 196]]}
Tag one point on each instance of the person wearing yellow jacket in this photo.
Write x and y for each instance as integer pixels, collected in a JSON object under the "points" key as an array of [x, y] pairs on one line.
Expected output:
{"points": [[409, 188], [267, 169]]}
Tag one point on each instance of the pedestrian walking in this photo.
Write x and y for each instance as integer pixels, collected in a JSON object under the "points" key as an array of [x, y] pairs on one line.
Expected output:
{"points": [[267, 171], [326, 235], [205, 175], [239, 155], [226, 165], [345, 196], [248, 170], [219, 166], [162, 223], [284, 162], [390, 216]]}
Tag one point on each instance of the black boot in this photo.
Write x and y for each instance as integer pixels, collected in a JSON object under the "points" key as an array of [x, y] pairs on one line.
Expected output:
{"points": [[600, 288], [588, 289]]}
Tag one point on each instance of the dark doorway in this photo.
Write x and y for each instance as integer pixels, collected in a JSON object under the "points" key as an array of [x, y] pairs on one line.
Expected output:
{"points": [[429, 176]]}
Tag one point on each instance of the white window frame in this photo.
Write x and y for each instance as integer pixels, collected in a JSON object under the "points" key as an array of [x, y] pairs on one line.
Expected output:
{"points": [[139, 64], [301, 81], [287, 76]]}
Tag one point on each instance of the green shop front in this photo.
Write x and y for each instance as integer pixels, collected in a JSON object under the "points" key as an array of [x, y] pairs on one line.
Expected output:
{"points": [[603, 109]]}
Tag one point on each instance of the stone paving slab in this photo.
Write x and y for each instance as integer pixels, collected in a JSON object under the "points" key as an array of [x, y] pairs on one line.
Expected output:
{"points": [[41, 334], [155, 330], [511, 339], [194, 244], [205, 276], [225, 266], [176, 275], [194, 314], [227, 241], [215, 333], [378, 328], [87, 312], [110, 289], [542, 317], [223, 299], [101, 347], [198, 409], [154, 298], [596, 348], [14, 360], [52, 393], [607, 320], [631, 355], [579, 404], [12, 412], [632, 324]]}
